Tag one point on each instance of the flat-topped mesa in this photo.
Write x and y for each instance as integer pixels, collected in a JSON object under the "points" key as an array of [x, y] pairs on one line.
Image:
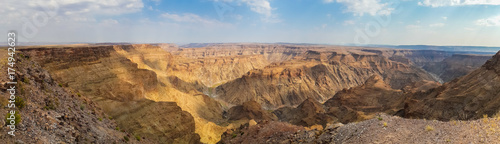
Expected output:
{"points": [[272, 52]]}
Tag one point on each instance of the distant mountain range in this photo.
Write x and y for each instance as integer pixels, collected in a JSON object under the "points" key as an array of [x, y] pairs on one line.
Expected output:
{"points": [[461, 49]]}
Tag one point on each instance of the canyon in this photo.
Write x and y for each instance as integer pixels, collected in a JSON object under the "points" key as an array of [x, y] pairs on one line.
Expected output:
{"points": [[164, 93]]}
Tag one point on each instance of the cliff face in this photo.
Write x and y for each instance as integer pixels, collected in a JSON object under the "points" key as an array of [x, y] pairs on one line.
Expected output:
{"points": [[49, 113], [213, 71], [316, 74], [272, 52], [468, 97], [97, 71], [120, 86], [456, 66]]}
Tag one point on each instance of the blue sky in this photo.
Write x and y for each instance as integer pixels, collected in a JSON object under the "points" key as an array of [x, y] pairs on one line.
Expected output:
{"points": [[394, 22]]}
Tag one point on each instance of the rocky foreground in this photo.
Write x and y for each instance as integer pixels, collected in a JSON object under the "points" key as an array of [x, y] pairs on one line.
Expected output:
{"points": [[382, 129]]}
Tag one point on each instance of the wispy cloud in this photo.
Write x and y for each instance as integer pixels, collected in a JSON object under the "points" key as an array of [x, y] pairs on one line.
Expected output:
{"points": [[262, 7], [68, 10], [188, 18], [349, 22], [492, 21], [441, 3], [411, 27], [437, 25], [360, 7]]}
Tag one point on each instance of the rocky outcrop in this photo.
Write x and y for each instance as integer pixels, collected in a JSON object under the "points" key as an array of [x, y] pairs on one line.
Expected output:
{"points": [[308, 113], [383, 129], [248, 111], [260, 133], [364, 101], [161, 122], [468, 97]]}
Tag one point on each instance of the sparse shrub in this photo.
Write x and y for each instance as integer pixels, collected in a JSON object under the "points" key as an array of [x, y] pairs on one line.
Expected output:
{"points": [[117, 128], [380, 118], [17, 118], [19, 101], [26, 80], [100, 119], [110, 117], [385, 124], [429, 128], [82, 107], [79, 95], [51, 104], [20, 88], [60, 85], [234, 135], [126, 138], [454, 122], [137, 137]]}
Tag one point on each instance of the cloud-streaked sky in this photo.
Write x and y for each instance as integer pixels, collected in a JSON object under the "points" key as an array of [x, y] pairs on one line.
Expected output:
{"points": [[394, 22]]}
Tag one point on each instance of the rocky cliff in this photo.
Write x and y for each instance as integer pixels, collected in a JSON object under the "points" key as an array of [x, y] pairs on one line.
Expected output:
{"points": [[468, 97], [121, 87], [364, 101], [456, 66], [316, 74], [308, 113], [49, 113]]}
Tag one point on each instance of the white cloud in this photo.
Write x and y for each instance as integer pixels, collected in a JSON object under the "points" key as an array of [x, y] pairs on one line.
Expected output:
{"points": [[187, 17], [492, 21], [413, 26], [469, 29], [437, 25], [349, 22], [262, 7], [445, 18], [441, 3], [360, 7], [109, 22], [67, 9]]}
